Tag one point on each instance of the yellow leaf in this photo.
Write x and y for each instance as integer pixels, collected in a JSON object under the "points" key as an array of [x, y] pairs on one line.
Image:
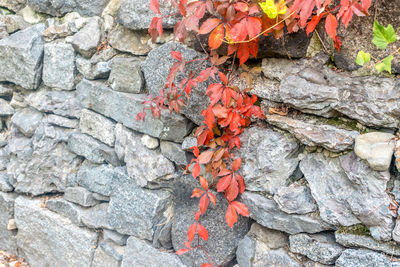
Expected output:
{"points": [[282, 8], [269, 8]]}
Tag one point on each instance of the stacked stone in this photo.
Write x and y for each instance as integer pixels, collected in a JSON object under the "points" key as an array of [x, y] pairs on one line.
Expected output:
{"points": [[83, 183]]}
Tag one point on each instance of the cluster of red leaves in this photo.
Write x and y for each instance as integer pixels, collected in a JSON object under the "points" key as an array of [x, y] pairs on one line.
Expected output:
{"points": [[238, 24]]}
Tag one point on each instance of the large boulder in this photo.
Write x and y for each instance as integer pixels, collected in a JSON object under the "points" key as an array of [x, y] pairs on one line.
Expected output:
{"points": [[87, 39], [124, 107], [41, 164], [61, 7], [269, 159], [7, 236], [21, 56], [364, 258], [98, 126], [48, 239], [348, 192]]}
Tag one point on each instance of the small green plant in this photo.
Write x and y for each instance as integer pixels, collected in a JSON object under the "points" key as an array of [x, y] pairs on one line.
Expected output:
{"points": [[383, 36]]}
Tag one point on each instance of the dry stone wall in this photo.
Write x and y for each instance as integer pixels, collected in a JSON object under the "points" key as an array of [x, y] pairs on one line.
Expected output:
{"points": [[82, 183]]}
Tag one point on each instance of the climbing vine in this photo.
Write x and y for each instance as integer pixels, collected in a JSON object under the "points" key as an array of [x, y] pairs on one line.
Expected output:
{"points": [[236, 25]]}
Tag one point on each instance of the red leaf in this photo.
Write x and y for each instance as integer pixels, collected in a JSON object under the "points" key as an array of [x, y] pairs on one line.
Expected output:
{"points": [[155, 6], [236, 164], [243, 53], [196, 170], [230, 216], [203, 204], [197, 216], [223, 183], [203, 183], [202, 231], [313, 23], [241, 208], [209, 25], [223, 78], [191, 232], [182, 251], [182, 9], [216, 37], [233, 190], [307, 7], [253, 26], [212, 198], [192, 23], [177, 55], [195, 151], [206, 265], [197, 192], [239, 31], [224, 172], [220, 111], [253, 47], [241, 6], [205, 157], [241, 183], [331, 25]]}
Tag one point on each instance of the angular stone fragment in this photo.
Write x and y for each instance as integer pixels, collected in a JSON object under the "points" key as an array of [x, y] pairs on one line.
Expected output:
{"points": [[5, 185], [370, 100], [150, 142], [137, 211], [364, 241], [81, 196], [126, 75], [14, 5], [115, 237], [311, 132], [363, 258], [139, 253], [222, 242], [98, 178], [26, 121], [269, 159], [59, 66], [61, 7], [266, 212], [93, 71], [317, 247], [174, 152], [48, 239], [348, 192], [123, 108], [61, 103], [7, 238], [66, 209], [149, 168], [376, 148], [102, 258], [87, 39], [21, 57], [136, 15], [13, 23], [295, 199], [41, 164], [5, 108], [62, 121], [264, 247], [56, 31], [156, 68], [189, 142], [125, 40], [98, 126], [96, 217]]}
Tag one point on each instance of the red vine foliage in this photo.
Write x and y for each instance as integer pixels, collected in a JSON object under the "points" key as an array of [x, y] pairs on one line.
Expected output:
{"points": [[238, 24]]}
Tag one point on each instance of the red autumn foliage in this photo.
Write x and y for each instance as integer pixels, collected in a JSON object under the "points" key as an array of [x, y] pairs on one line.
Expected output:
{"points": [[238, 24]]}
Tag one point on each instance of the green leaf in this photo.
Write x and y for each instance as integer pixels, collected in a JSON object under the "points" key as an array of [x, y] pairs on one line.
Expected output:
{"points": [[363, 58], [386, 64], [383, 36], [269, 8]]}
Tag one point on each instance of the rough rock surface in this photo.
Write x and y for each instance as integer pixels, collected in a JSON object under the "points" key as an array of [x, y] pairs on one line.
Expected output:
{"points": [[7, 238], [223, 240], [269, 159], [88, 147], [266, 212], [41, 236], [87, 39], [60, 7], [27, 121], [126, 75], [98, 126], [136, 15], [363, 258], [318, 247], [295, 199], [376, 148], [123, 108], [59, 58], [312, 133], [24, 47], [371, 101], [14, 5], [348, 192], [125, 40], [81, 196], [137, 211]]}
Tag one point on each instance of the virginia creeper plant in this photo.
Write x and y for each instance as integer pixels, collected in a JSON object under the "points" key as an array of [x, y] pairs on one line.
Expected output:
{"points": [[236, 25]]}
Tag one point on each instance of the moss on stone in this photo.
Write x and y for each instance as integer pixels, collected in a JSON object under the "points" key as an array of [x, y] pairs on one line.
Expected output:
{"points": [[346, 124], [357, 229]]}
